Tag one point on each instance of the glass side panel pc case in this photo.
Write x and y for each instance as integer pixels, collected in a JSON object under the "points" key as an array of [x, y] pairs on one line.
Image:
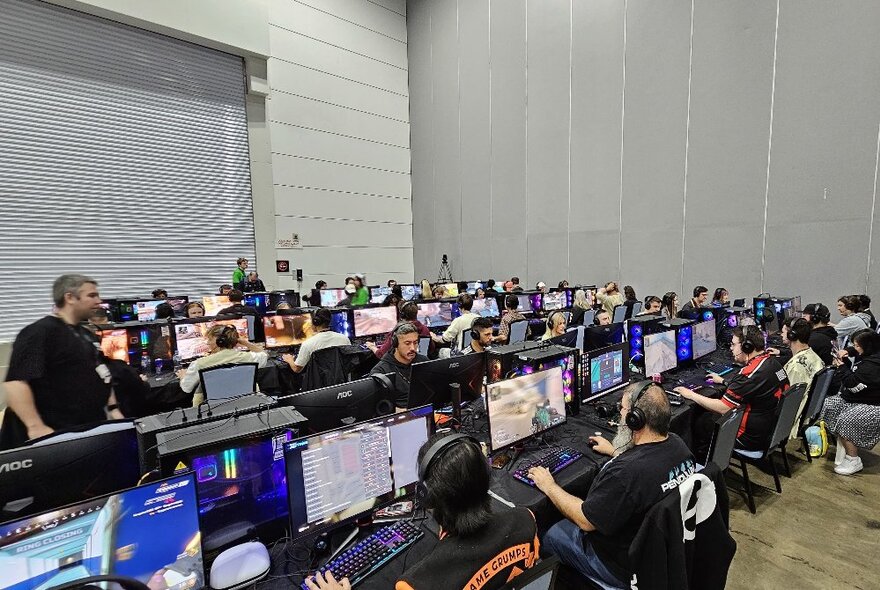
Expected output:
{"points": [[344, 474], [524, 407], [149, 533]]}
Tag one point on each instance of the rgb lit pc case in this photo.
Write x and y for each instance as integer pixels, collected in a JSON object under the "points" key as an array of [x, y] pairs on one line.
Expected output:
{"points": [[636, 329]]}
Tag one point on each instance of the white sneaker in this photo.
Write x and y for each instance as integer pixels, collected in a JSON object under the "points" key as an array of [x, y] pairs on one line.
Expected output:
{"points": [[849, 466], [840, 454]]}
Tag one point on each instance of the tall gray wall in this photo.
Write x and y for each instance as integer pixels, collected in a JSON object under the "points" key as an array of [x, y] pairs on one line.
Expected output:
{"points": [[664, 144]]}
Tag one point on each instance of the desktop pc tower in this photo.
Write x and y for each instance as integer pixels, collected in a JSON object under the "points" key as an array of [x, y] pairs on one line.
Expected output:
{"points": [[542, 357], [684, 334], [636, 329]]}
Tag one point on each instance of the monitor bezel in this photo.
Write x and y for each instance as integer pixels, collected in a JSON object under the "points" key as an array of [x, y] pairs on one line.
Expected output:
{"points": [[492, 447], [588, 382]]}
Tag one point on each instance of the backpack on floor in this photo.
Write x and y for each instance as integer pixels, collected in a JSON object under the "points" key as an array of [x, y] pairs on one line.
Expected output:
{"points": [[817, 440]]}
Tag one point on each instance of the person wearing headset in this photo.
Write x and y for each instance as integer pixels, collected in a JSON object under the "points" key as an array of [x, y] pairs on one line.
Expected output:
{"points": [[481, 337], [454, 484], [409, 312], [452, 335], [757, 387], [323, 338], [701, 294], [555, 325], [194, 309], [647, 461], [602, 318], [222, 342], [399, 360]]}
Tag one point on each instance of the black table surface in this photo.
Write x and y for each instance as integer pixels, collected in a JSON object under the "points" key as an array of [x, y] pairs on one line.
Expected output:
{"points": [[290, 560]]}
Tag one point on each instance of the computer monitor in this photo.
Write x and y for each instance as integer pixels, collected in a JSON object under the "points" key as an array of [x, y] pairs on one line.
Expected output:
{"points": [[573, 338], [410, 292], [372, 321], [435, 314], [552, 301], [332, 297], [214, 303], [284, 329], [149, 533], [126, 309], [660, 352], [289, 297], [190, 335], [146, 310], [67, 467], [240, 485], [569, 295], [487, 308], [344, 474], [339, 405], [429, 380], [145, 347], [609, 370], [602, 336], [473, 286], [450, 289], [259, 301], [525, 406], [704, 338], [378, 294], [525, 304]]}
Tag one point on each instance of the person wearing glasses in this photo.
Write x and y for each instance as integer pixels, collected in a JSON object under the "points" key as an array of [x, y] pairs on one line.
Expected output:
{"points": [[757, 388]]}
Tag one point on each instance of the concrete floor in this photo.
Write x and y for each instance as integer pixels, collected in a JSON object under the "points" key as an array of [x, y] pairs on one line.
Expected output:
{"points": [[823, 531]]}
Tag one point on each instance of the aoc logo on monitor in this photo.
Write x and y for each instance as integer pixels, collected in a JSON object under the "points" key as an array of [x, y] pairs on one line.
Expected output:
{"points": [[16, 465], [344, 394]]}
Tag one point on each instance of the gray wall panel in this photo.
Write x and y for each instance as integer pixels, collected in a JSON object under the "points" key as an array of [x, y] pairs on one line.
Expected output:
{"points": [[422, 137], [508, 80], [817, 148], [446, 149], [475, 138], [548, 67], [597, 99], [727, 156], [654, 141]]}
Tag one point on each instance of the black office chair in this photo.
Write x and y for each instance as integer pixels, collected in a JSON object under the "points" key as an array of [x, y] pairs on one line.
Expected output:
{"points": [[619, 314], [518, 331], [589, 317], [541, 576], [820, 386], [724, 438], [785, 419]]}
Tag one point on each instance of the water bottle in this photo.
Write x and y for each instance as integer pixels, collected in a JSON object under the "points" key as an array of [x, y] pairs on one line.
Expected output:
{"points": [[145, 364]]}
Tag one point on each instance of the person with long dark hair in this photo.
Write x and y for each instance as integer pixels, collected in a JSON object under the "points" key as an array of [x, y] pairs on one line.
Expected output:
{"points": [[853, 417]]}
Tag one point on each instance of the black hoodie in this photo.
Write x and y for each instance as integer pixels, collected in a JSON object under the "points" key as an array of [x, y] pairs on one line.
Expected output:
{"points": [[390, 365], [821, 341], [861, 383]]}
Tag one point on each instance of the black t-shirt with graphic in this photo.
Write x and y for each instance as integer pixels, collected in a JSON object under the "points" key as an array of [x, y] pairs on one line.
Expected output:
{"points": [[58, 361], [758, 386], [623, 492]]}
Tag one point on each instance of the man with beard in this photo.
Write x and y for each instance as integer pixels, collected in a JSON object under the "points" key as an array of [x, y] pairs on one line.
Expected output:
{"points": [[647, 461]]}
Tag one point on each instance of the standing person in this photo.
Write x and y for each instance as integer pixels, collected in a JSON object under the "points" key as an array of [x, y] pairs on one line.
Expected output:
{"points": [[362, 295], [823, 338], [239, 275], [399, 360], [56, 377], [610, 297]]}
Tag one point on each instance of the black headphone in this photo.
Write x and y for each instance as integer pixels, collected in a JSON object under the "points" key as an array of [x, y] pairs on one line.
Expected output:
{"points": [[823, 317], [550, 318], [635, 417], [227, 337], [394, 338], [434, 452], [746, 346]]}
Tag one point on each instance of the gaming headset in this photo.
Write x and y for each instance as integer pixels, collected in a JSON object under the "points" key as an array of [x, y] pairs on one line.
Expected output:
{"points": [[746, 346], [635, 417], [227, 338], [550, 319], [394, 337], [436, 450]]}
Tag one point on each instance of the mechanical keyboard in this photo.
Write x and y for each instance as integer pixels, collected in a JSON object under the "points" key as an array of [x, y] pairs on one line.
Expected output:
{"points": [[373, 552], [718, 368], [555, 461]]}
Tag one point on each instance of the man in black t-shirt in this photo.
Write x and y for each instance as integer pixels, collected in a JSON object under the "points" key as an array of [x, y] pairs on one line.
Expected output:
{"points": [[56, 376], [757, 387], [647, 463]]}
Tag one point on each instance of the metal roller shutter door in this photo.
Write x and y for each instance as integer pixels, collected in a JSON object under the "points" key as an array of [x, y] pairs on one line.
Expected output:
{"points": [[123, 156]]}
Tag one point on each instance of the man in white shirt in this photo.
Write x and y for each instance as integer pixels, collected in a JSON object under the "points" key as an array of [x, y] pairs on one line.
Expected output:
{"points": [[323, 338], [452, 335]]}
